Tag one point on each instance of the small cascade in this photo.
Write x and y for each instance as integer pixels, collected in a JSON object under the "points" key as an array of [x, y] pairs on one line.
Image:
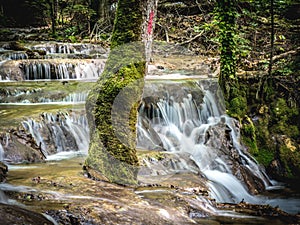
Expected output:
{"points": [[70, 48], [3, 197], [201, 129], [77, 97], [37, 70], [1, 153], [57, 61], [59, 133], [13, 55], [38, 95]]}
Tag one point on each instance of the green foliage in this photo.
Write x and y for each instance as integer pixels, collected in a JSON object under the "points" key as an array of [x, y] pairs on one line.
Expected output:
{"points": [[237, 107], [226, 17], [70, 34], [284, 68], [197, 29], [262, 7], [283, 118], [248, 133], [73, 39], [290, 160], [265, 156], [243, 46], [72, 30]]}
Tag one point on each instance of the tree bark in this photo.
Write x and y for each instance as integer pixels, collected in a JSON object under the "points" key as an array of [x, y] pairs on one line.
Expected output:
{"points": [[272, 38], [53, 14], [112, 104]]}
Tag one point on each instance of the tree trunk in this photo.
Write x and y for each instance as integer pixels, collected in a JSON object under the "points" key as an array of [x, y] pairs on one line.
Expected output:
{"points": [[103, 9], [234, 97], [272, 38], [53, 14], [112, 103]]}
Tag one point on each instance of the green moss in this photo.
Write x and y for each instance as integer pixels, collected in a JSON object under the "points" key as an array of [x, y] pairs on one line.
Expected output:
{"points": [[112, 103], [265, 156], [4, 31], [128, 23], [115, 123], [290, 160], [283, 118], [112, 169], [237, 107], [275, 132], [248, 133]]}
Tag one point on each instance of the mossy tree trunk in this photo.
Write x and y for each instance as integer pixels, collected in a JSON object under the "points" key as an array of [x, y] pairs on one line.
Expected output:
{"points": [[235, 98], [53, 4], [112, 103]]}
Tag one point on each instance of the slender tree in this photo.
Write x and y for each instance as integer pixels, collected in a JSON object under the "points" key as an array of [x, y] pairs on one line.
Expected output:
{"points": [[226, 12], [272, 38], [112, 104], [53, 4]]}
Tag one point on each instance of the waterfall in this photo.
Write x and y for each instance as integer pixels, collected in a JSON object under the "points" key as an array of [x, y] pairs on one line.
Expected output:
{"points": [[41, 69], [1, 153], [77, 97], [3, 197], [13, 55], [208, 135], [36, 71], [59, 133], [70, 48]]}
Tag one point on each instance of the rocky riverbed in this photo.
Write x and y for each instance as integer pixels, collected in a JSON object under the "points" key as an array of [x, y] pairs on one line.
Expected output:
{"points": [[63, 191]]}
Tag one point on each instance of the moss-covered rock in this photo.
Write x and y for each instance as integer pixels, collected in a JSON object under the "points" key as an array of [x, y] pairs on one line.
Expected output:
{"points": [[238, 107], [272, 132], [249, 135]]}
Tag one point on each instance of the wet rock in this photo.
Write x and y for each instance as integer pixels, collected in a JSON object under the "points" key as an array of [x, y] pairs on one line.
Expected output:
{"points": [[266, 211], [11, 214], [65, 217], [275, 169], [155, 163], [21, 147], [3, 172]]}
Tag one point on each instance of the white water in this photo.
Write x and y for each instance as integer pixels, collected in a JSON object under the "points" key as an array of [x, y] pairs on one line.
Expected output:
{"points": [[41, 70], [69, 48], [200, 131], [12, 55], [1, 153], [60, 136]]}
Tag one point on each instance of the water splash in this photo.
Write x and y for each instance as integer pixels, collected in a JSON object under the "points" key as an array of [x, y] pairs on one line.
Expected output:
{"points": [[13, 55], [1, 153], [59, 133], [209, 136]]}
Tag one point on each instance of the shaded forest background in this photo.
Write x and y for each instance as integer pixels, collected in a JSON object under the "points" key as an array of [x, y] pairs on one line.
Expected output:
{"points": [[270, 117]]}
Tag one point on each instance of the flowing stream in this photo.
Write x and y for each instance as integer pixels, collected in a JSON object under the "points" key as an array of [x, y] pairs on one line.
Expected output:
{"points": [[184, 119], [200, 128]]}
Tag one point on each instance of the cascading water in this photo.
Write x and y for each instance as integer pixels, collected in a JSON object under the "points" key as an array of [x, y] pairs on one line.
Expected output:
{"points": [[54, 69], [36, 70], [69, 48], [1, 153], [13, 55], [59, 133], [209, 136]]}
